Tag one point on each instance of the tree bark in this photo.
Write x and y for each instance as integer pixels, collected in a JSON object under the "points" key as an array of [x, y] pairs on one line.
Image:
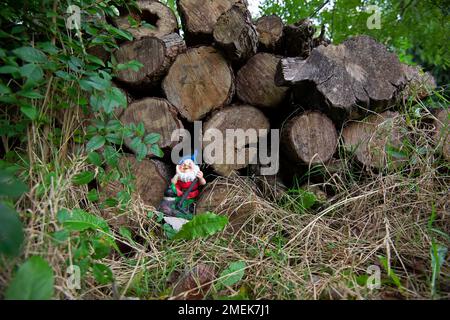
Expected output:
{"points": [[370, 139], [310, 138], [235, 117], [155, 54], [270, 30], [298, 39], [419, 85], [235, 33], [360, 71], [199, 17], [152, 179], [157, 115], [255, 83], [198, 82], [155, 13]]}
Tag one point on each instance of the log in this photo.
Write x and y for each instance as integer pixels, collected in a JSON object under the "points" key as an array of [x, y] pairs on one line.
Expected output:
{"points": [[270, 30], [198, 18], [231, 197], [235, 33], [360, 71], [420, 84], [198, 82], [442, 132], [194, 284], [243, 117], [152, 179], [310, 138], [155, 54], [255, 82], [298, 39], [155, 13], [157, 115], [369, 139]]}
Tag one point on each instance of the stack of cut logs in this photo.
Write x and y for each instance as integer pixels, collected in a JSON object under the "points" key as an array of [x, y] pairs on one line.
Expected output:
{"points": [[232, 72]]}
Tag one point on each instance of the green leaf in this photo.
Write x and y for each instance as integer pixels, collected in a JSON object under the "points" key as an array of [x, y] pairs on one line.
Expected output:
{"points": [[32, 71], [8, 69], [93, 195], [95, 159], [10, 186], [30, 111], [79, 220], [11, 232], [156, 150], [95, 143], [30, 54], [95, 59], [233, 274], [438, 254], [33, 281], [152, 138], [202, 225], [102, 273], [83, 178]]}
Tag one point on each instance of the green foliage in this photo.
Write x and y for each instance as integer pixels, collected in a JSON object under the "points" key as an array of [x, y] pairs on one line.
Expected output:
{"points": [[298, 200], [202, 225], [233, 273], [33, 281], [11, 233], [416, 30]]}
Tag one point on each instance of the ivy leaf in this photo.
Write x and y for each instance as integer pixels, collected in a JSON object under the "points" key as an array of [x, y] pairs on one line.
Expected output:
{"points": [[11, 232], [83, 178], [202, 225], [33, 281], [156, 150], [233, 274], [152, 138], [95, 143], [30, 54]]}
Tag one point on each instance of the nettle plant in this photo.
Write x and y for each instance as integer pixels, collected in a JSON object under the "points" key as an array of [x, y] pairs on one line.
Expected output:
{"points": [[46, 71]]}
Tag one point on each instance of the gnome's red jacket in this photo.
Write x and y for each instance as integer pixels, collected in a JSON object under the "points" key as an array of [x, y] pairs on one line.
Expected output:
{"points": [[181, 188]]}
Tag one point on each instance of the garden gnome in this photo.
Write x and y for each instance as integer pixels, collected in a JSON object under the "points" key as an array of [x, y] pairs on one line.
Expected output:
{"points": [[179, 199]]}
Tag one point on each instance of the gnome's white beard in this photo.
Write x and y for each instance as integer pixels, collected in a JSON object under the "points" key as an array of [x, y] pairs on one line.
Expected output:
{"points": [[188, 176]]}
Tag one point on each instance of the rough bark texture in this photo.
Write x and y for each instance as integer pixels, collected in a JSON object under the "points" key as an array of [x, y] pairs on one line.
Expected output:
{"points": [[270, 30], [235, 117], [152, 12], [358, 71], [199, 81], [195, 283], [199, 17], [442, 135], [298, 39], [229, 197], [420, 84], [152, 178], [155, 54], [369, 139], [310, 137], [157, 115], [235, 33], [255, 83]]}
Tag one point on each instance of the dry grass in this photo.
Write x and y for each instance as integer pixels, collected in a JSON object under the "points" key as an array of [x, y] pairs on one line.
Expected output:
{"points": [[318, 254]]}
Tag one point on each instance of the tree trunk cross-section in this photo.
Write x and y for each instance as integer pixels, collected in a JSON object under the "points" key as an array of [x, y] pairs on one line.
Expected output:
{"points": [[371, 138], [236, 117], [310, 137], [152, 179], [157, 115], [235, 33], [360, 71], [155, 54], [152, 12], [198, 82], [270, 30], [255, 83], [199, 17]]}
